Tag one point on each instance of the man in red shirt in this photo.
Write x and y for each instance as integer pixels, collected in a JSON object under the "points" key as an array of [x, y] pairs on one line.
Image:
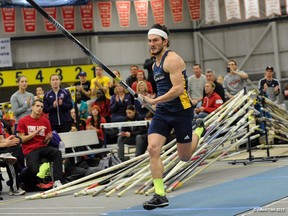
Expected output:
{"points": [[35, 132]]}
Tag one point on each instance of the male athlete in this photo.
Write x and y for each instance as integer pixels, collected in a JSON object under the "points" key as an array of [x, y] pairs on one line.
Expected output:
{"points": [[173, 111]]}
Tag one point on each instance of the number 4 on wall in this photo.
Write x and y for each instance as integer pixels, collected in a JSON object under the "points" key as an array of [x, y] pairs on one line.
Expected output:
{"points": [[39, 76]]}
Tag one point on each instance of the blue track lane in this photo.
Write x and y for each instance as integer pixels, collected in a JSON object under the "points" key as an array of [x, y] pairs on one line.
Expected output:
{"points": [[225, 199]]}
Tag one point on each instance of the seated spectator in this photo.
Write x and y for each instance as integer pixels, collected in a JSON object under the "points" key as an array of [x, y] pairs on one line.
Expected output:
{"points": [[210, 76], [119, 102], [82, 106], [10, 150], [77, 124], [142, 89], [133, 75], [211, 101], [134, 135], [100, 82], [94, 121], [35, 132], [113, 84], [7, 127], [103, 103], [141, 77]]}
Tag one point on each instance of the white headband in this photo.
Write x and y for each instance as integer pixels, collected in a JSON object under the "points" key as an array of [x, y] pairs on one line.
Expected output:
{"points": [[158, 32]]}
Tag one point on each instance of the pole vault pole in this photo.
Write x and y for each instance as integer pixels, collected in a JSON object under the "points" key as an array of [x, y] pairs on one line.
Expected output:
{"points": [[86, 51]]}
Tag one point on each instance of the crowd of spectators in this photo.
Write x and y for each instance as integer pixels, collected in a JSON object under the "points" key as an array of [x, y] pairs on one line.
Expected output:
{"points": [[28, 121]]}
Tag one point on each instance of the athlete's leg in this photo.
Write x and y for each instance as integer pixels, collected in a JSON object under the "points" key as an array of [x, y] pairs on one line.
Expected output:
{"points": [[158, 131], [159, 200], [155, 144], [186, 149]]}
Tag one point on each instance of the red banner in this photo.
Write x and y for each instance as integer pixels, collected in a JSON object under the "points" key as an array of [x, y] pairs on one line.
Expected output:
{"points": [[158, 8], [48, 25], [195, 9], [177, 10], [123, 10], [8, 19], [141, 8], [105, 13], [29, 19], [87, 16], [68, 15]]}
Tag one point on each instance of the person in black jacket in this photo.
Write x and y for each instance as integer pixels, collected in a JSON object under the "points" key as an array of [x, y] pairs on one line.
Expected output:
{"points": [[58, 103], [135, 135], [133, 75], [148, 66]]}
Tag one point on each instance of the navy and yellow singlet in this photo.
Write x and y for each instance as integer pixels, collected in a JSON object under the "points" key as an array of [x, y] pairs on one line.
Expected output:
{"points": [[164, 84]]}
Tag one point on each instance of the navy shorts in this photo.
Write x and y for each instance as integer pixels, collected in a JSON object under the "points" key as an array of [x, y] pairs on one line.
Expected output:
{"points": [[163, 123]]}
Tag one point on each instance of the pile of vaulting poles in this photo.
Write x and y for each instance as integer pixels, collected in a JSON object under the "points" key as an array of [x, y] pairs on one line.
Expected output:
{"points": [[276, 119], [227, 128]]}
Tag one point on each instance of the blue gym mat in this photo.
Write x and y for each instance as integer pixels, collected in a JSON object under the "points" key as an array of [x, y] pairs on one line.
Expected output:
{"points": [[225, 199]]}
